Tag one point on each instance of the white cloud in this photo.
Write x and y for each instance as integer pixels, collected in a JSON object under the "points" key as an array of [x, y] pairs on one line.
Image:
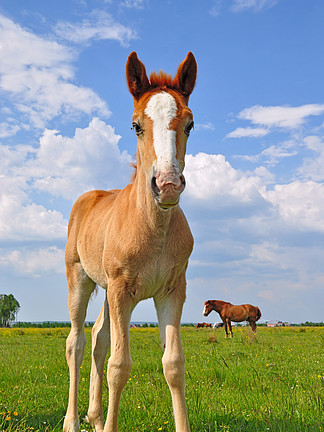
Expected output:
{"points": [[248, 132], [273, 154], [22, 220], [211, 178], [34, 262], [205, 126], [61, 166], [7, 129], [313, 167], [67, 167], [257, 5], [99, 25], [138, 4], [299, 204], [36, 74], [281, 116], [216, 8]]}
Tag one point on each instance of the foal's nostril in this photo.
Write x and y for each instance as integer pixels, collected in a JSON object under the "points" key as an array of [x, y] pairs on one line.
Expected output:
{"points": [[183, 180], [154, 186]]}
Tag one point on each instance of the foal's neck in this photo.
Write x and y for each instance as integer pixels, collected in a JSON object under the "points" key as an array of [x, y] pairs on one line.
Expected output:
{"points": [[155, 219]]}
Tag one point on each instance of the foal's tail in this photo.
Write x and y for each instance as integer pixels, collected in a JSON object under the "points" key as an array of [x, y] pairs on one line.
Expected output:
{"points": [[258, 314]]}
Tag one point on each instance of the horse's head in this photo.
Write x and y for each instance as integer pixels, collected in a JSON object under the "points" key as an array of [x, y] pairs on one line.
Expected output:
{"points": [[162, 122], [207, 308]]}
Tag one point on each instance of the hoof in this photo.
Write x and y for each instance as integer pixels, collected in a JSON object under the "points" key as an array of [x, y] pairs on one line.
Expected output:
{"points": [[71, 425], [97, 423]]}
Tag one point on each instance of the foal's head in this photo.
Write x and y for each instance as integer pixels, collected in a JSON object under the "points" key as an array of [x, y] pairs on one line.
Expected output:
{"points": [[162, 122]]}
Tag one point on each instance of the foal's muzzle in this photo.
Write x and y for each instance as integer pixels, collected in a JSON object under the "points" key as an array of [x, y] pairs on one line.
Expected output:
{"points": [[166, 188]]}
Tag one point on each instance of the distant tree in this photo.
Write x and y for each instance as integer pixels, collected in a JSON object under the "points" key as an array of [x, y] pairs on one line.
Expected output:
{"points": [[9, 308]]}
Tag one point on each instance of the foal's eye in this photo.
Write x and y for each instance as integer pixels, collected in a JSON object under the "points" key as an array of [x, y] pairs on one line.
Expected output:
{"points": [[137, 128], [188, 128]]}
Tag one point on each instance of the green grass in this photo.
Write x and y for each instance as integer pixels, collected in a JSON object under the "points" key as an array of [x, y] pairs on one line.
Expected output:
{"points": [[270, 382]]}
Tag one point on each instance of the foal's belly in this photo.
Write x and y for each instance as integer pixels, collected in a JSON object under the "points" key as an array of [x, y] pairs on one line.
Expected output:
{"points": [[144, 280]]}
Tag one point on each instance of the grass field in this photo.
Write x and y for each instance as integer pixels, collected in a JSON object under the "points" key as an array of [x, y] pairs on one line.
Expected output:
{"points": [[271, 382]]}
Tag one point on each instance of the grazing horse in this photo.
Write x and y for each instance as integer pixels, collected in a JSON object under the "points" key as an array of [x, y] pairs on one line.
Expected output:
{"points": [[202, 325], [135, 243], [229, 312]]}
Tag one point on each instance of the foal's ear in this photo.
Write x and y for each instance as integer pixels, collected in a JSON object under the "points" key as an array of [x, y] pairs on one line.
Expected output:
{"points": [[185, 79], [137, 80]]}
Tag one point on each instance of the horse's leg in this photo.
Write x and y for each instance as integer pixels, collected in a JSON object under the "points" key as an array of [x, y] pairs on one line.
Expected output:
{"points": [[120, 362], [230, 327], [253, 326], [80, 289], [225, 327], [100, 346], [169, 311]]}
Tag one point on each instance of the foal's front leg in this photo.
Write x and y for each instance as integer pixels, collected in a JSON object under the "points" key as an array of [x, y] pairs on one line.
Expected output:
{"points": [[120, 362], [169, 312], [100, 345]]}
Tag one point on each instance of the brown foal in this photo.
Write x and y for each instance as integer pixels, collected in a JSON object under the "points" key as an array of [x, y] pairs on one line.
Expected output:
{"points": [[135, 243]]}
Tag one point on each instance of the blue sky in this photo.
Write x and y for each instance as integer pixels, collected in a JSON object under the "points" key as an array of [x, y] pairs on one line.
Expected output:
{"points": [[255, 161]]}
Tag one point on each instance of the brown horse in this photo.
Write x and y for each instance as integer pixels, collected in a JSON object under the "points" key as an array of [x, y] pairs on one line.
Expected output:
{"points": [[202, 325], [229, 312], [135, 243]]}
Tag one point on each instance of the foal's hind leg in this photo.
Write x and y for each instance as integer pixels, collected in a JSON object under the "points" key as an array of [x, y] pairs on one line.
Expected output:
{"points": [[80, 289], [100, 346]]}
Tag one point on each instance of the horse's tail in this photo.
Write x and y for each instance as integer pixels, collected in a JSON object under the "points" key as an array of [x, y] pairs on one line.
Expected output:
{"points": [[258, 314]]}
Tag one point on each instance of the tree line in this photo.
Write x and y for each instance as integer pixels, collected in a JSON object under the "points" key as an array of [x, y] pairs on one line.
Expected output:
{"points": [[9, 308]]}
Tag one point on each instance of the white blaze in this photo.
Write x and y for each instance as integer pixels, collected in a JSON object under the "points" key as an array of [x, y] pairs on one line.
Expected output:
{"points": [[162, 109]]}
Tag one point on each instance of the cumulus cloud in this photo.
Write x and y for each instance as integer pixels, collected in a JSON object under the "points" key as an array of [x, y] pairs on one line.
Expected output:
{"points": [[300, 204], [211, 176], [36, 76], [22, 220], [66, 167], [281, 116], [34, 262], [215, 183], [99, 25], [313, 167], [61, 166]]}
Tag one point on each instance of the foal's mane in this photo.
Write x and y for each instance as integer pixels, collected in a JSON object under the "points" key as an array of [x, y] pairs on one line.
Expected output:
{"points": [[162, 80]]}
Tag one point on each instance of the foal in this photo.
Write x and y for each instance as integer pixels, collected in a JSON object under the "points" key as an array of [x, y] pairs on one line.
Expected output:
{"points": [[135, 243], [229, 312]]}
